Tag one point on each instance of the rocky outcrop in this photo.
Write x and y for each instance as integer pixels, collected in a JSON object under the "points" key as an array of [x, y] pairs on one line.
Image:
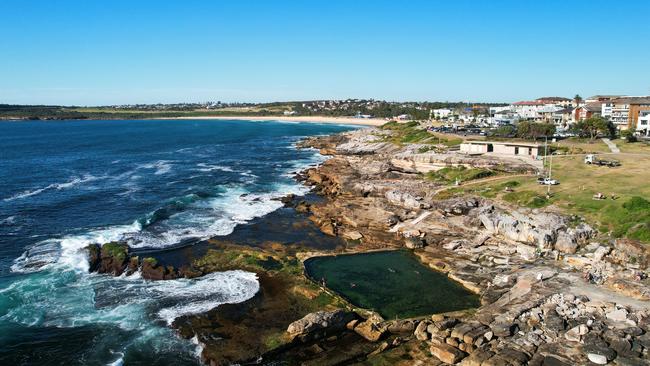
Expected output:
{"points": [[546, 231], [114, 258], [319, 325], [535, 270]]}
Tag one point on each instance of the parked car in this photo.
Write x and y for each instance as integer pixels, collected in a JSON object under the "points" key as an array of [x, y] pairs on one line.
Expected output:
{"points": [[547, 181]]}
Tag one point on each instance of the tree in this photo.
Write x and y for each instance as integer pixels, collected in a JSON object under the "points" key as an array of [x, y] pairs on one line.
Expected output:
{"points": [[592, 127], [534, 130], [504, 131], [628, 135], [577, 99]]}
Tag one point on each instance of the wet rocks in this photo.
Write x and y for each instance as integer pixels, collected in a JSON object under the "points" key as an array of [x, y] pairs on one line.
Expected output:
{"points": [[110, 258]]}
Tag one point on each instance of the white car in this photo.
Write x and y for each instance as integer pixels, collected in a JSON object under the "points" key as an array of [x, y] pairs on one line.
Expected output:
{"points": [[547, 181]]}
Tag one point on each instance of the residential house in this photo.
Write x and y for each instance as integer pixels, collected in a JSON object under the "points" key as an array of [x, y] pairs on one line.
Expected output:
{"points": [[586, 111], [559, 101]]}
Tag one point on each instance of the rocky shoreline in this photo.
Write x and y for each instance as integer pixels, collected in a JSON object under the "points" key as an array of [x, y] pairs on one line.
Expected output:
{"points": [[553, 290]]}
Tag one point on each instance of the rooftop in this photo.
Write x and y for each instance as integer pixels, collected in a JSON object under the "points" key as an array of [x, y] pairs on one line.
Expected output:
{"points": [[506, 143]]}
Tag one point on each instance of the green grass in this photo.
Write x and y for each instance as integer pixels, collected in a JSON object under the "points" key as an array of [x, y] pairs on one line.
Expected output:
{"points": [[526, 198], [449, 175], [627, 214], [116, 250]]}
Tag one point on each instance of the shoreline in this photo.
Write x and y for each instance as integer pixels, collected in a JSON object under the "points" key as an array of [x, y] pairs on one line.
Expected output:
{"points": [[309, 119], [369, 122]]}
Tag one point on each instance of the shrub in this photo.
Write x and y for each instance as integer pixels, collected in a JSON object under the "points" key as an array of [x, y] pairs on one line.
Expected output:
{"points": [[637, 203]]}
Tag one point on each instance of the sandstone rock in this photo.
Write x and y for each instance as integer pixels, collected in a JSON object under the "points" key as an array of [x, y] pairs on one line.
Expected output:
{"points": [[502, 329], [413, 243], [403, 199], [446, 353], [320, 321], [601, 252], [527, 252], [421, 331], [477, 358], [351, 324], [618, 315], [574, 334], [565, 243], [370, 331], [401, 326], [352, 235], [452, 245]]}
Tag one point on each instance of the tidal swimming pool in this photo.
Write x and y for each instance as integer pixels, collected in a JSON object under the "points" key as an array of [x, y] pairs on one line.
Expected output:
{"points": [[393, 283]]}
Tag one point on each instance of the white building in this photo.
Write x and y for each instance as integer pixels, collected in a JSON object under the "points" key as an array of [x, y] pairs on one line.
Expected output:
{"points": [[501, 116], [528, 110], [643, 124], [441, 113]]}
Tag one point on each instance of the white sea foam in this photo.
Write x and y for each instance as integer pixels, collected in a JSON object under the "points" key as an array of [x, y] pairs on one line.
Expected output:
{"points": [[67, 251], [54, 186], [161, 166], [213, 167], [213, 289]]}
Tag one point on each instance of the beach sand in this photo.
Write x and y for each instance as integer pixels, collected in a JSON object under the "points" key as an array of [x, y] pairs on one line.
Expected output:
{"points": [[314, 119]]}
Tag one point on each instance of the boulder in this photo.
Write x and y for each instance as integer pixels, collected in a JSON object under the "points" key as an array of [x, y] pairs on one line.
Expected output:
{"points": [[421, 331], [94, 256], [401, 326], [618, 315], [371, 331], [113, 258], [566, 243], [597, 359], [352, 235], [601, 252], [446, 353], [320, 323]]}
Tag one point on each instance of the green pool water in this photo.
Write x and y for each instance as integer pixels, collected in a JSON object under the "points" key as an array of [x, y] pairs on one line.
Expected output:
{"points": [[393, 283]]}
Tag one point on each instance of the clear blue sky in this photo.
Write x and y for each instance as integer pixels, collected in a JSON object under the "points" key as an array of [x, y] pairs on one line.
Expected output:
{"points": [[88, 52]]}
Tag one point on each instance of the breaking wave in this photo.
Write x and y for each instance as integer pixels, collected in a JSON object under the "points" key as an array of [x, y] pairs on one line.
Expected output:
{"points": [[54, 186]]}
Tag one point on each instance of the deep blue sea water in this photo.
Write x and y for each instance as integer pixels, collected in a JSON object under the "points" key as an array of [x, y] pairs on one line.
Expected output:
{"points": [[155, 184]]}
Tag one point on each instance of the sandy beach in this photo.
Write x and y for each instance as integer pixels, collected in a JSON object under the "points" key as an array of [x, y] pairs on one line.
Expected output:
{"points": [[314, 119]]}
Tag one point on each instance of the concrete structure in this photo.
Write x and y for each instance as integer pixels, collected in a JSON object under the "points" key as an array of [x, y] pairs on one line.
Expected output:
{"points": [[522, 149]]}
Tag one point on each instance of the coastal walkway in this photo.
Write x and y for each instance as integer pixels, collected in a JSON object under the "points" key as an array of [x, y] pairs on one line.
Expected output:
{"points": [[612, 146]]}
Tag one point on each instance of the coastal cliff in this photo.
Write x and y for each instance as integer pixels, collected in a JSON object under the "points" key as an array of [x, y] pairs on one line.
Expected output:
{"points": [[553, 291]]}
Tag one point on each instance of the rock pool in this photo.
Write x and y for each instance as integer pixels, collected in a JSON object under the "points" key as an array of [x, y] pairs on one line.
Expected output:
{"points": [[393, 283]]}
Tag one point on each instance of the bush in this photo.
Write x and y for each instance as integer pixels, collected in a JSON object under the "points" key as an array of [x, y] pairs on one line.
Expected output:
{"points": [[637, 203]]}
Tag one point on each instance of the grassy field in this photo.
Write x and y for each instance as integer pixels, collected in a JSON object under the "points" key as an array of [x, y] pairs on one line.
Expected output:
{"points": [[412, 132], [627, 214]]}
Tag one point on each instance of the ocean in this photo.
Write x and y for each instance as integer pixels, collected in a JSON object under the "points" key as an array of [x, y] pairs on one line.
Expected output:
{"points": [[155, 184]]}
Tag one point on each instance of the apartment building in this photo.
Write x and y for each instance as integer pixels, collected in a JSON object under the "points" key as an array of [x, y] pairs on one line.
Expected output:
{"points": [[624, 112]]}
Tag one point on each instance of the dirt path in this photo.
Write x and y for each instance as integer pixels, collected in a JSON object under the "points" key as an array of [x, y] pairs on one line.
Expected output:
{"points": [[612, 146]]}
